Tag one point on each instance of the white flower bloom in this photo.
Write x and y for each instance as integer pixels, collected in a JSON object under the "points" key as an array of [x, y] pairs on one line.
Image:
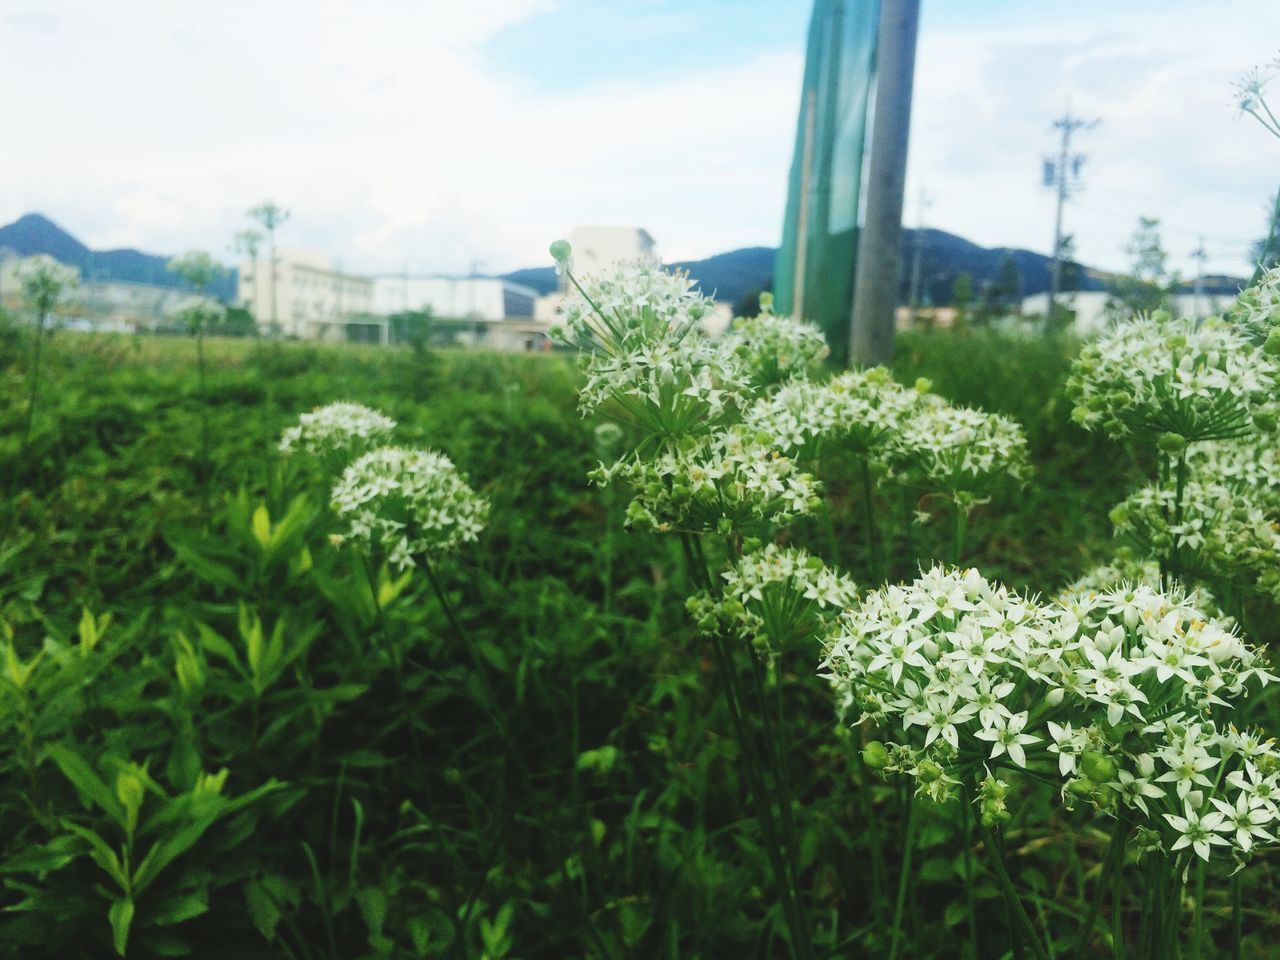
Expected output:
{"points": [[1203, 381], [407, 504], [1196, 830], [773, 349], [1006, 735], [337, 433]]}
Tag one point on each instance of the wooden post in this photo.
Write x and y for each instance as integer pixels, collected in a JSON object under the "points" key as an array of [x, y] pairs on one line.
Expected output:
{"points": [[871, 325]]}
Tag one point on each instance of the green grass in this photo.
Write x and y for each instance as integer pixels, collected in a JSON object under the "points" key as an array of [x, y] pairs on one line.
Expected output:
{"points": [[578, 791]]}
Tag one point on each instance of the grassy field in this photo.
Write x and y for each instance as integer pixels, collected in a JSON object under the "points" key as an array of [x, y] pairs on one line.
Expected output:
{"points": [[531, 761]]}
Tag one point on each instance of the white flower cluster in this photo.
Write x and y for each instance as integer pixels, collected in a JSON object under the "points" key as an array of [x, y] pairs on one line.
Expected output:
{"points": [[337, 433], [722, 481], [958, 450], [774, 349], [1257, 309], [1113, 695], [860, 410], [1224, 532], [43, 279], [648, 361], [775, 596], [1246, 465], [403, 504], [1157, 374], [1126, 569]]}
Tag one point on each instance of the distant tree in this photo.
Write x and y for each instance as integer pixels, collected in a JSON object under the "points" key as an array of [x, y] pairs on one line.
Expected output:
{"points": [[1148, 285], [1009, 283], [749, 304], [199, 271], [1072, 273], [43, 281], [249, 242], [272, 216], [413, 327]]}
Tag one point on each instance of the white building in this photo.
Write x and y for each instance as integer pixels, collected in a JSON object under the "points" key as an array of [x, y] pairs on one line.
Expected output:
{"points": [[1090, 307], [312, 300], [454, 298], [597, 250]]}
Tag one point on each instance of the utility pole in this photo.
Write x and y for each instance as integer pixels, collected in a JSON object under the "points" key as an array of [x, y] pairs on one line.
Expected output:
{"points": [[1062, 173], [875, 289], [1200, 256], [923, 203]]}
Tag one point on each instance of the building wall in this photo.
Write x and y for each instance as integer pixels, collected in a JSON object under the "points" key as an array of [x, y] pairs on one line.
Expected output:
{"points": [[597, 250], [313, 301], [455, 298], [1090, 307]]}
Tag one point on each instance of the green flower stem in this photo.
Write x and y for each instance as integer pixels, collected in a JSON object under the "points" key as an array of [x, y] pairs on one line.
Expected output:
{"points": [[869, 522], [1180, 488], [491, 702], [393, 654], [1024, 930], [1237, 918], [966, 803], [1110, 863], [1269, 245], [1197, 929], [959, 529], [798, 929], [33, 392], [904, 875]]}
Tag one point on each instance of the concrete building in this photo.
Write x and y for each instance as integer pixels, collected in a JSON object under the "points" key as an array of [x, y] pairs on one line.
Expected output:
{"points": [[597, 250], [454, 298], [1090, 307], [312, 300]]}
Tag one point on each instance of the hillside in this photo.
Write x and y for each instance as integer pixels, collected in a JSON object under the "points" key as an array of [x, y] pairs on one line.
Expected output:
{"points": [[34, 233], [943, 257]]}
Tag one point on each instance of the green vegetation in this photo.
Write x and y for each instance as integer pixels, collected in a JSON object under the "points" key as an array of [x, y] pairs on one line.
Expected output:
{"points": [[212, 718]]}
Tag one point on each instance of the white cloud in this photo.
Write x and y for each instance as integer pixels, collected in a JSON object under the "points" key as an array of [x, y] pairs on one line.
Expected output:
{"points": [[393, 141]]}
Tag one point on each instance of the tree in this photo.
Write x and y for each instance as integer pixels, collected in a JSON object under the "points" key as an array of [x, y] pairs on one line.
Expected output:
{"points": [[1148, 285], [272, 217], [199, 271], [1009, 284], [43, 281], [249, 242]]}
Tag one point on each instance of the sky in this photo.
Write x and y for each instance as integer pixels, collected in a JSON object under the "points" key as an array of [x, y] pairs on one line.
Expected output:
{"points": [[428, 136]]}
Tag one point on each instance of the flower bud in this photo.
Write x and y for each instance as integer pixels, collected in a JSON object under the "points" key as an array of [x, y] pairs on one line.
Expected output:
{"points": [[875, 755], [927, 771], [1098, 767], [1271, 346], [1265, 420], [561, 251], [1172, 443], [1054, 696]]}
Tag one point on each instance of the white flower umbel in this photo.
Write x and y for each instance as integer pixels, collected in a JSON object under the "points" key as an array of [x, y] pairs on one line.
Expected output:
{"points": [[775, 596], [1257, 308], [647, 360], [959, 451], [400, 504], [726, 481], [1224, 532], [1115, 694], [1160, 375], [43, 280], [337, 433], [773, 349], [859, 411]]}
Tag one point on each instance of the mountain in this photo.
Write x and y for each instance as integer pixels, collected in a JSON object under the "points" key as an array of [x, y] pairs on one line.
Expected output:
{"points": [[34, 233], [943, 257]]}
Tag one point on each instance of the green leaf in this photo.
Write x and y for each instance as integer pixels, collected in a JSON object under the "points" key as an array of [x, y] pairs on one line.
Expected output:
{"points": [[164, 852], [373, 907], [88, 784], [215, 643], [263, 909], [179, 907], [101, 852], [44, 858], [121, 916]]}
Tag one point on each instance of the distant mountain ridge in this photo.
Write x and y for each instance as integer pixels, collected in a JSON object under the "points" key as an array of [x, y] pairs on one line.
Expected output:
{"points": [[35, 233], [727, 276]]}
